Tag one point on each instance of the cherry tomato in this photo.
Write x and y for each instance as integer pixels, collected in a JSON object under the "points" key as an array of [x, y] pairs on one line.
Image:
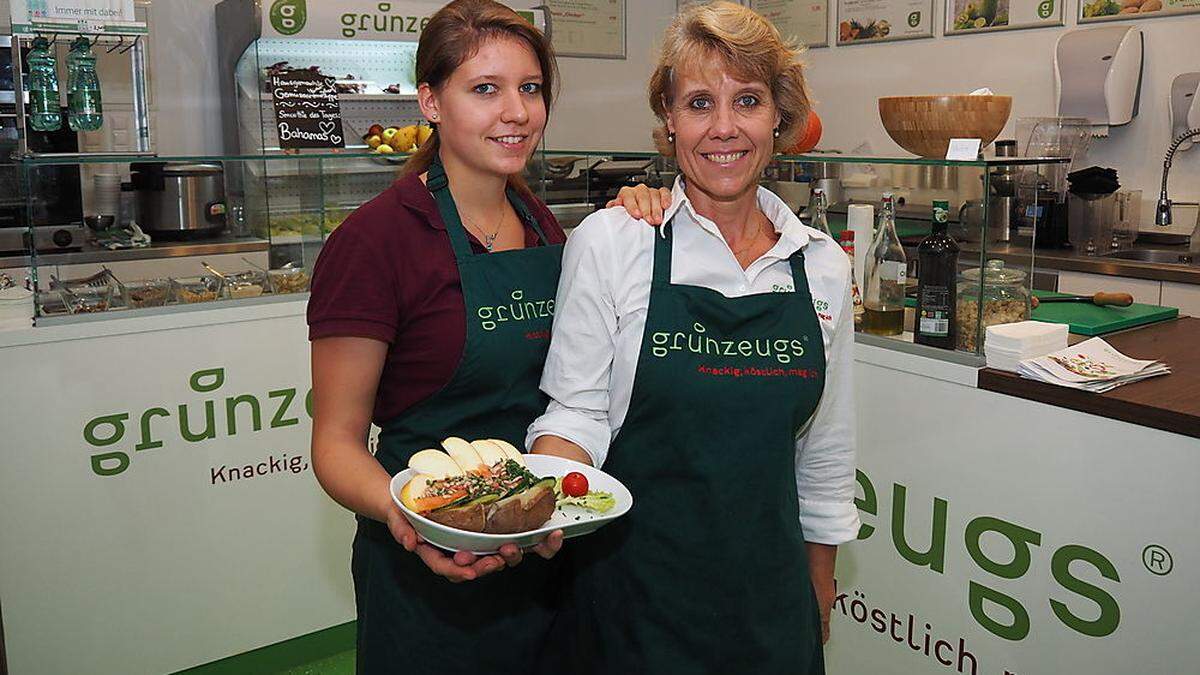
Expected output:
{"points": [[575, 484]]}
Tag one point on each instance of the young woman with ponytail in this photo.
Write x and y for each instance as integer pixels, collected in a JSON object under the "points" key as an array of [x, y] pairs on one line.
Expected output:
{"points": [[397, 341]]}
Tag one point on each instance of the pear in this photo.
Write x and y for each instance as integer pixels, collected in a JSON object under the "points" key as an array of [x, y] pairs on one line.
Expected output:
{"points": [[404, 138], [423, 133]]}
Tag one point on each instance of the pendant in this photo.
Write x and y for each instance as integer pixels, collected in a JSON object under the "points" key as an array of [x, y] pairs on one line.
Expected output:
{"points": [[489, 241]]}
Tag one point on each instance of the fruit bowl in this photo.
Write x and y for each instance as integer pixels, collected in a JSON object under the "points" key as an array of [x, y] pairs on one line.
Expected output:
{"points": [[924, 125]]}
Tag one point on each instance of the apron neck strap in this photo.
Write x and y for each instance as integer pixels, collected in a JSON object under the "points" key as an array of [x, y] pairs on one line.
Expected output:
{"points": [[662, 260], [439, 184]]}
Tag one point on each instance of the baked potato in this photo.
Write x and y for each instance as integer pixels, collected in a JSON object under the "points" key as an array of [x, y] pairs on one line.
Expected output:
{"points": [[482, 486]]}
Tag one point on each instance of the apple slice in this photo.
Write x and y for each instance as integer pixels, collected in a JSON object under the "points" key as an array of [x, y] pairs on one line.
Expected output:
{"points": [[464, 455], [489, 452], [509, 450], [434, 463], [414, 490]]}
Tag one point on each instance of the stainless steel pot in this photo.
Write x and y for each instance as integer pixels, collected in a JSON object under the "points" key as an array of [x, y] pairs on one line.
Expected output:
{"points": [[180, 201]]}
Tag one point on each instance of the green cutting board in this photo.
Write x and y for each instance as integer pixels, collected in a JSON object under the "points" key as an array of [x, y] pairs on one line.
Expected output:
{"points": [[1088, 319]]}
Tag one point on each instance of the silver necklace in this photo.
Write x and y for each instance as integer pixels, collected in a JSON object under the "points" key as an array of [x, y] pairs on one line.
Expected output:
{"points": [[489, 240]]}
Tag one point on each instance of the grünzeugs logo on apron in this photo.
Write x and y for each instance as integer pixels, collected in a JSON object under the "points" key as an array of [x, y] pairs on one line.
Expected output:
{"points": [[308, 113]]}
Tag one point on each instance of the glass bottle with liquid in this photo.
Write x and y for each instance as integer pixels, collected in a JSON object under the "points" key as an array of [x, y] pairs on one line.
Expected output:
{"points": [[819, 204], [886, 276], [44, 111], [83, 89], [937, 265], [846, 239]]}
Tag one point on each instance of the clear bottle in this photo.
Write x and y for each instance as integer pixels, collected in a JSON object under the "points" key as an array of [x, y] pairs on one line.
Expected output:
{"points": [[887, 275], [44, 111], [83, 89], [819, 204], [937, 284]]}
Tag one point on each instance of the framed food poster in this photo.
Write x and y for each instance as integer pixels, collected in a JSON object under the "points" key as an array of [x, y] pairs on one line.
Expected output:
{"points": [[884, 20], [983, 16], [593, 28], [806, 21], [1116, 10]]}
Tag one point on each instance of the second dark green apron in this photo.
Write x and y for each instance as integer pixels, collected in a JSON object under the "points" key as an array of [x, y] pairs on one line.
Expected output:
{"points": [[409, 619], [708, 573]]}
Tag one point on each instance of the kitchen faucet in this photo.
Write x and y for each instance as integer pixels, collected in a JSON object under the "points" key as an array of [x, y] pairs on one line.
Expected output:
{"points": [[1162, 212]]}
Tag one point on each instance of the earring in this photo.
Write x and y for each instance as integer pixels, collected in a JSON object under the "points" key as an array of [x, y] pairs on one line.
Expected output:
{"points": [[776, 132], [671, 137], [435, 118]]}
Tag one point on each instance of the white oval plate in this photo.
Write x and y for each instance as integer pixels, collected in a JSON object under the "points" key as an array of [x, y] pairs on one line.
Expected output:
{"points": [[574, 521]]}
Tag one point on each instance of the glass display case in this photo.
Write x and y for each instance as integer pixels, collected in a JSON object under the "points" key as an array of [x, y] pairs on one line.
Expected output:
{"points": [[289, 203], [171, 234], [996, 209]]}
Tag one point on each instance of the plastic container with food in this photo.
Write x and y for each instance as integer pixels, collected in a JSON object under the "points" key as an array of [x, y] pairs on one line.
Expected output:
{"points": [[288, 280], [192, 290], [146, 293], [249, 284], [1004, 296], [86, 299]]}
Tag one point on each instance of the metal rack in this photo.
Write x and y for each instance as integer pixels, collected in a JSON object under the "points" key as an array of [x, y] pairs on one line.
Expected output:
{"points": [[129, 41]]}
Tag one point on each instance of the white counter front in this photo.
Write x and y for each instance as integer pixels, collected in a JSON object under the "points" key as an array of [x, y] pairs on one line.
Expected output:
{"points": [[158, 511], [157, 506], [1004, 536]]}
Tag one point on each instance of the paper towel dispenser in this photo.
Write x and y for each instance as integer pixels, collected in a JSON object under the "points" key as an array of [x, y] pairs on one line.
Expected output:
{"points": [[1185, 105], [1098, 75]]}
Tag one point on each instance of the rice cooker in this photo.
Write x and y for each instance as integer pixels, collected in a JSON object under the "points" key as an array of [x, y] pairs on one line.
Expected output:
{"points": [[179, 201]]}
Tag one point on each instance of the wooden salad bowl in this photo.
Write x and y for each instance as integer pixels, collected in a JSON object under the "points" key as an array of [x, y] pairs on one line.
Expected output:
{"points": [[924, 125]]}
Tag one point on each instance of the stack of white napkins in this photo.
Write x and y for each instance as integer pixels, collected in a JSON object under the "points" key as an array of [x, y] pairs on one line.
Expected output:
{"points": [[1006, 345], [1091, 366]]}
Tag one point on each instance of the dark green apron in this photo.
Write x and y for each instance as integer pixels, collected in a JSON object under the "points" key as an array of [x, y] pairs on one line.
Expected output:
{"points": [[409, 619], [708, 573]]}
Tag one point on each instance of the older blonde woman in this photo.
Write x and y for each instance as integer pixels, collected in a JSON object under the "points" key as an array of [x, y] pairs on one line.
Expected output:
{"points": [[707, 366]]}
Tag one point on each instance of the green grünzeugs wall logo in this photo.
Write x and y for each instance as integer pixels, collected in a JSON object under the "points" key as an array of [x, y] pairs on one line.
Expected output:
{"points": [[289, 16], [215, 417], [1012, 621]]}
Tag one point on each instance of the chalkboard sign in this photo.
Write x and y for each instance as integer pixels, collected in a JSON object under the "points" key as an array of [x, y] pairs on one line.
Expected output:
{"points": [[307, 111]]}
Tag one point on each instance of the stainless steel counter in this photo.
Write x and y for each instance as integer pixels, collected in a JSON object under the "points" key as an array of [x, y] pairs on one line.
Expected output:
{"points": [[1076, 261], [171, 249]]}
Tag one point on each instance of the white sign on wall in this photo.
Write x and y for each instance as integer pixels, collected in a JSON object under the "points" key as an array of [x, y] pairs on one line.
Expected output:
{"points": [[982, 16], [884, 20], [363, 19], [87, 16], [804, 20]]}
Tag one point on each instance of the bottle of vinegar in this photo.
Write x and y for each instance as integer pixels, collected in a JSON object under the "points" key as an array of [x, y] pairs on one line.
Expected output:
{"points": [[887, 274], [937, 285]]}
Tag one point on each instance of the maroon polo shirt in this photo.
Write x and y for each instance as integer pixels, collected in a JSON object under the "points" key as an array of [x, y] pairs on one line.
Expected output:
{"points": [[388, 273]]}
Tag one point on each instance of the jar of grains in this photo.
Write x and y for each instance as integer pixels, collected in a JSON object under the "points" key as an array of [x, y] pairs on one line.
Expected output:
{"points": [[1003, 295]]}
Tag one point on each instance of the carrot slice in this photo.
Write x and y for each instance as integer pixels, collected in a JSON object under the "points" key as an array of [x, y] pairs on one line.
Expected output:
{"points": [[425, 504]]}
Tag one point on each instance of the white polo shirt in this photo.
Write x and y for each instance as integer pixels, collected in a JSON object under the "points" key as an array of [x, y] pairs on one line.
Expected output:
{"points": [[600, 318]]}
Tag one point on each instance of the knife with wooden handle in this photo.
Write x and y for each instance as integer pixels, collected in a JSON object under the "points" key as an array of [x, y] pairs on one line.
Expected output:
{"points": [[1099, 299]]}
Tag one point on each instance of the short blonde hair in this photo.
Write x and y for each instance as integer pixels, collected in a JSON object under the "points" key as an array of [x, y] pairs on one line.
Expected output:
{"points": [[749, 46]]}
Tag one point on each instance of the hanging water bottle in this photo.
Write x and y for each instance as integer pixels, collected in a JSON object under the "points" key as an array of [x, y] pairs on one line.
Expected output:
{"points": [[83, 89], [44, 113]]}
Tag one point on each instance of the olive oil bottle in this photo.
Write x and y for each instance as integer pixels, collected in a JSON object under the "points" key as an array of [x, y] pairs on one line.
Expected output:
{"points": [[886, 277], [937, 267]]}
